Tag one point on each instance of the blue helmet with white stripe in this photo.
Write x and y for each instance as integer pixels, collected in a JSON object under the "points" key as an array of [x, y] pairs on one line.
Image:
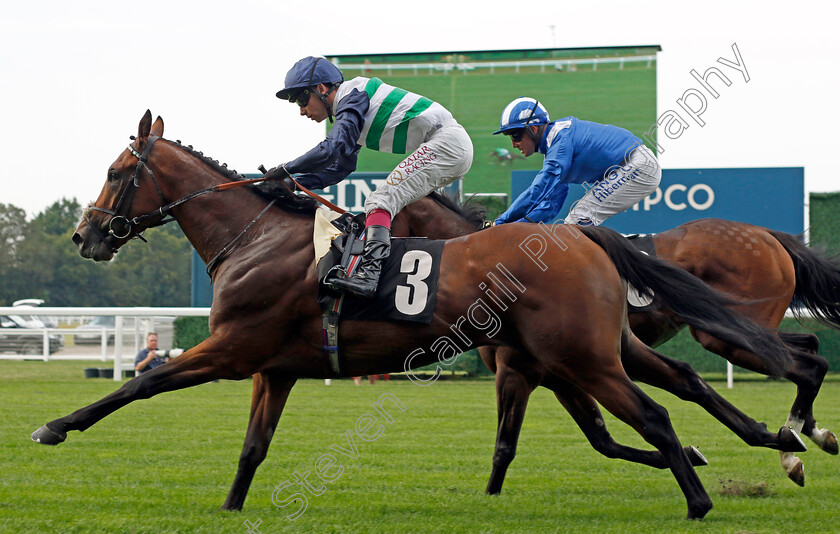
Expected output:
{"points": [[522, 112]]}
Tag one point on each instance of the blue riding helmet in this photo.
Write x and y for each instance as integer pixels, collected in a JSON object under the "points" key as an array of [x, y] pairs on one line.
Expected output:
{"points": [[522, 112], [308, 72]]}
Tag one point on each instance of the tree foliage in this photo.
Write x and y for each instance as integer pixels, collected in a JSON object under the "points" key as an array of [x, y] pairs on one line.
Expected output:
{"points": [[39, 260]]}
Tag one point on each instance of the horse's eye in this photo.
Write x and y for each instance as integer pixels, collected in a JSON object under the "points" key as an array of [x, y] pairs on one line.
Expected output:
{"points": [[113, 176]]}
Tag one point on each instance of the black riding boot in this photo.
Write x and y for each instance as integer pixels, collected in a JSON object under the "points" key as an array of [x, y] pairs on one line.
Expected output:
{"points": [[364, 281]]}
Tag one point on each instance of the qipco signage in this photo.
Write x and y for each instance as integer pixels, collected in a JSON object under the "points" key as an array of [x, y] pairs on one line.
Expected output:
{"points": [[770, 197], [678, 197]]}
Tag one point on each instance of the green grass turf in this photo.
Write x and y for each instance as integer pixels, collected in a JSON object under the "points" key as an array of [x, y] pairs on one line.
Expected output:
{"points": [[625, 98], [165, 464]]}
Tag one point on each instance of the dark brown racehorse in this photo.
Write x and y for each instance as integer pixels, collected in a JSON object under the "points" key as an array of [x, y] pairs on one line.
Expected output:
{"points": [[768, 271], [765, 269], [265, 321]]}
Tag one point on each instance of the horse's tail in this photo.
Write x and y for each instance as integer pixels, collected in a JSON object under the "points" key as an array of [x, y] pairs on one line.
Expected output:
{"points": [[817, 280], [691, 299]]}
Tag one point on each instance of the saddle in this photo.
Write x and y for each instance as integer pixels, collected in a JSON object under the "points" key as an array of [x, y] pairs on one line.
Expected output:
{"points": [[352, 228], [407, 289]]}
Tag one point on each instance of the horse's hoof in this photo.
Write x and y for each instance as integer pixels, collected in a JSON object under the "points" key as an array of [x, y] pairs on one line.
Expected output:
{"points": [[789, 441], [45, 436], [797, 474], [826, 440], [695, 456], [830, 446], [699, 511]]}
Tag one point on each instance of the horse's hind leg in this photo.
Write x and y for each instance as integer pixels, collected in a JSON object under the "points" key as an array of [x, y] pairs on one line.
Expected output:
{"points": [[627, 402], [589, 356], [610, 386], [196, 366], [517, 375], [270, 394], [586, 413], [514, 384], [645, 364]]}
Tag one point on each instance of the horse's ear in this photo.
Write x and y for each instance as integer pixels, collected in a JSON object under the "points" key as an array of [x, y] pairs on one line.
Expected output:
{"points": [[157, 127], [145, 125]]}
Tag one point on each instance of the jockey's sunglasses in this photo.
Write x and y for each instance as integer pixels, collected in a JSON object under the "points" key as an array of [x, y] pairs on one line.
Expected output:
{"points": [[301, 98], [516, 135]]}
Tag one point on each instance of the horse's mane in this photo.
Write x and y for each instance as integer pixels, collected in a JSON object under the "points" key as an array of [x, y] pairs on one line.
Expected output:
{"points": [[274, 190], [473, 212]]}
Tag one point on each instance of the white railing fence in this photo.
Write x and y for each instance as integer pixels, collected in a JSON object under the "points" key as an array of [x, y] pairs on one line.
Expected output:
{"points": [[144, 322], [491, 66], [145, 319]]}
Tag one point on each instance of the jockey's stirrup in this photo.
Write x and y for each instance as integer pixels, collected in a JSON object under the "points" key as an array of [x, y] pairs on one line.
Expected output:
{"points": [[363, 282]]}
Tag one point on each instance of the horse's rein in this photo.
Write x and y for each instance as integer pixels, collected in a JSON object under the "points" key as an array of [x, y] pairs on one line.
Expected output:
{"points": [[314, 196], [121, 227]]}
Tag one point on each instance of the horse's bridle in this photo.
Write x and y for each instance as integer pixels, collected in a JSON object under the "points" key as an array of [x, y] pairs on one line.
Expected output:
{"points": [[120, 226]]}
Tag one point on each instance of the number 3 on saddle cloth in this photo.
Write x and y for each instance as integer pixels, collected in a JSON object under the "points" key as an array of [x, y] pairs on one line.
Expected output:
{"points": [[407, 289]]}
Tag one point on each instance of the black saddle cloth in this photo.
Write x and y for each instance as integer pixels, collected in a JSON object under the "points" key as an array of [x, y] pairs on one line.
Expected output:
{"points": [[408, 284]]}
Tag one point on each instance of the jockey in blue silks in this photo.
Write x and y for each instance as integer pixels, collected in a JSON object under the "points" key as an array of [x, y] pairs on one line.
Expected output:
{"points": [[621, 170]]}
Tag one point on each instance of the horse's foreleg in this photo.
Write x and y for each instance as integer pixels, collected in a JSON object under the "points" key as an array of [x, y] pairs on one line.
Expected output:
{"points": [[645, 364], [586, 413], [513, 388], [196, 366], [269, 397]]}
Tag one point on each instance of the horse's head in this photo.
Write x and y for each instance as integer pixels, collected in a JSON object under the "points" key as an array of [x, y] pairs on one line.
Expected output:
{"points": [[130, 190]]}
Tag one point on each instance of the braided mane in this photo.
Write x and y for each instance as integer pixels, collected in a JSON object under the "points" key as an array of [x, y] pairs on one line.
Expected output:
{"points": [[474, 212], [267, 190]]}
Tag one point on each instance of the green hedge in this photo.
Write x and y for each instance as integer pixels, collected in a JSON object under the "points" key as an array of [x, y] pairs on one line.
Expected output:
{"points": [[190, 331], [470, 362], [824, 223]]}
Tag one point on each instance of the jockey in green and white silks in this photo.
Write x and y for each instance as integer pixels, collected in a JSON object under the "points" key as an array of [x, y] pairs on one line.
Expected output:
{"points": [[373, 114], [402, 122]]}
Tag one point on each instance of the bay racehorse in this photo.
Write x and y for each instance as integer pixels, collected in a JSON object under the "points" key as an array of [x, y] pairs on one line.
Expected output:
{"points": [[265, 320], [766, 270]]}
